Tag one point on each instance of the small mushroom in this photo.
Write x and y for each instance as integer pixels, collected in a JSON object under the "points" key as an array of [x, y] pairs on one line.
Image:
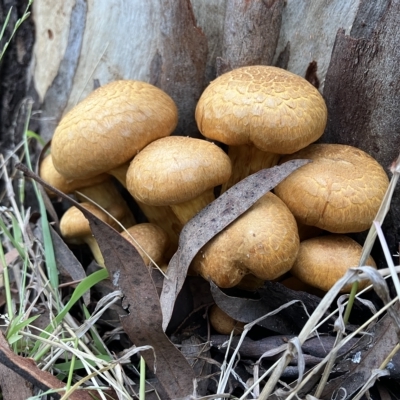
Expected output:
{"points": [[99, 188], [75, 228], [323, 260], [340, 191], [179, 172], [223, 323], [263, 241], [149, 240], [260, 112]]}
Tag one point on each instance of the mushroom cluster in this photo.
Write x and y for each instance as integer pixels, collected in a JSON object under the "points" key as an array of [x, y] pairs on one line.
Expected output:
{"points": [[123, 129]]}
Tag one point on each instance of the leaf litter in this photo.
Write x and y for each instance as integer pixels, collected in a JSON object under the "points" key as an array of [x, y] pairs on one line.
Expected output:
{"points": [[273, 295], [186, 256], [143, 324]]}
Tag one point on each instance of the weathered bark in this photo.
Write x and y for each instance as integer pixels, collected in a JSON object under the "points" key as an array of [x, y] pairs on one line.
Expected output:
{"points": [[178, 67], [362, 91], [82, 42], [308, 34], [251, 34]]}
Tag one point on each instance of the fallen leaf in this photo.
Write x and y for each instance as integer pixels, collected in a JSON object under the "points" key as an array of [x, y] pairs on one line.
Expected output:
{"points": [[212, 220], [289, 321], [316, 347], [9, 380], [359, 364], [143, 325], [27, 368]]}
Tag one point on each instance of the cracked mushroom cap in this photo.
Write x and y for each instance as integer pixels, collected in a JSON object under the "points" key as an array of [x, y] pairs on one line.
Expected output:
{"points": [[268, 107], [263, 241], [110, 127], [176, 169], [323, 260], [340, 191]]}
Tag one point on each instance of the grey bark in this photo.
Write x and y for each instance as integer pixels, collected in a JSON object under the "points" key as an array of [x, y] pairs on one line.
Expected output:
{"points": [[362, 92]]}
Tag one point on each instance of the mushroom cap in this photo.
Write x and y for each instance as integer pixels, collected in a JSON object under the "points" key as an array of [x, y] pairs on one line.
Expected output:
{"points": [[152, 238], [110, 126], [263, 241], [271, 108], [340, 191], [224, 323], [323, 260], [74, 226], [176, 169], [50, 175]]}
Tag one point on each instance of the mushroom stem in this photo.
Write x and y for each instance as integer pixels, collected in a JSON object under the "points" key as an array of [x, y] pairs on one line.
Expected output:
{"points": [[107, 196], [75, 228], [187, 210], [246, 160], [120, 173], [95, 249]]}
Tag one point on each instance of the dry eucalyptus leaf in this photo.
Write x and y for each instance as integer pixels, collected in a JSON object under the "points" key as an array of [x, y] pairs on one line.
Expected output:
{"points": [[289, 321], [360, 364], [315, 348], [212, 220], [129, 274]]}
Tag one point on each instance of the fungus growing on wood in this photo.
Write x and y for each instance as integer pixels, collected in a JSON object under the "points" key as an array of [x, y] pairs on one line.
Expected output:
{"points": [[260, 112], [223, 323], [75, 228], [99, 188], [179, 172], [149, 240], [323, 260], [263, 241], [110, 126], [340, 191]]}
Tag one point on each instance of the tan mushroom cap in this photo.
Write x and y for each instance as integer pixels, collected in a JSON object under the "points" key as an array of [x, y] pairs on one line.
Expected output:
{"points": [[263, 241], [110, 126], [223, 323], [323, 260], [151, 238], [340, 191], [176, 169], [49, 174], [271, 108], [75, 228]]}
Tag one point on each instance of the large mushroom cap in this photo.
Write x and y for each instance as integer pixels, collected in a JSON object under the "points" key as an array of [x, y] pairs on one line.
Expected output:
{"points": [[263, 241], [271, 108], [110, 126], [323, 260], [340, 191], [176, 169]]}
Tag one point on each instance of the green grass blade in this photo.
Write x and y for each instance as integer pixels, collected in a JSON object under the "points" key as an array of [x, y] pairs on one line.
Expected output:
{"points": [[49, 255], [85, 285]]}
